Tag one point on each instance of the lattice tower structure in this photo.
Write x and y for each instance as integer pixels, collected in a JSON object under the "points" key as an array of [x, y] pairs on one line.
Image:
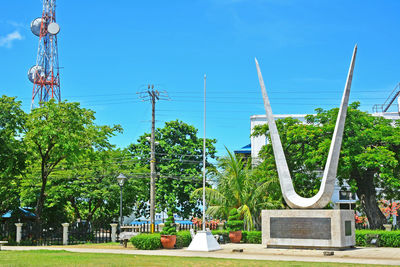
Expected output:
{"points": [[45, 74]]}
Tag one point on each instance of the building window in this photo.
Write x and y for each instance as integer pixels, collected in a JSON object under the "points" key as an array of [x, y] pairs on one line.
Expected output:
{"points": [[347, 206], [346, 195]]}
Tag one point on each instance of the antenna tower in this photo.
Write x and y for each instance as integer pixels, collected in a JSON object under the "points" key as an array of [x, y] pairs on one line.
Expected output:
{"points": [[45, 74]]}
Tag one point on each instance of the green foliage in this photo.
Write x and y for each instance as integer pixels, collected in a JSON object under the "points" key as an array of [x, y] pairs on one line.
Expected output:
{"points": [[12, 152], [385, 238], [183, 239], [59, 134], [369, 158], [224, 233], [234, 223], [147, 241], [178, 155], [91, 191], [238, 187], [251, 237], [169, 225]]}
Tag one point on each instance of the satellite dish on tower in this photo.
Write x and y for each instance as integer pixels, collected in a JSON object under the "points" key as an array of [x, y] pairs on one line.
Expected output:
{"points": [[53, 28], [35, 26], [35, 72]]}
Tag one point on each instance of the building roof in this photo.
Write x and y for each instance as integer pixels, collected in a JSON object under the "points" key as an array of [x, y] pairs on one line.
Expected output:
{"points": [[244, 150], [25, 213]]}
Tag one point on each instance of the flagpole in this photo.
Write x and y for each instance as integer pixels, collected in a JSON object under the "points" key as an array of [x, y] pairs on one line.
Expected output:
{"points": [[204, 159]]}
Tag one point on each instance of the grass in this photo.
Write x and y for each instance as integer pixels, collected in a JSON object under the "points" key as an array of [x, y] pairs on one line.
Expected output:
{"points": [[63, 258], [110, 245]]}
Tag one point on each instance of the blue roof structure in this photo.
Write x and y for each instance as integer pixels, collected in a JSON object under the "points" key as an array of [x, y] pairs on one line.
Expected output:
{"points": [[23, 211], [244, 150]]}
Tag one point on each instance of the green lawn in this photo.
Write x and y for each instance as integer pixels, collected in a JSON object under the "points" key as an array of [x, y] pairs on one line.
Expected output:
{"points": [[64, 258]]}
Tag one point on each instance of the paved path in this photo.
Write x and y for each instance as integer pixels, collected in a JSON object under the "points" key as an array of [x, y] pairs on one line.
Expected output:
{"points": [[383, 256]]}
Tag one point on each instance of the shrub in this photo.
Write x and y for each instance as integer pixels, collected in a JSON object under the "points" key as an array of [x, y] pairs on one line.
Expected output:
{"points": [[146, 241], [251, 237], [384, 238], [169, 228], [224, 233], [183, 239], [234, 223]]}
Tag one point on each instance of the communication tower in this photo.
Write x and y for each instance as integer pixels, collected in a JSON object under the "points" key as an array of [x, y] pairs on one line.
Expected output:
{"points": [[45, 74]]}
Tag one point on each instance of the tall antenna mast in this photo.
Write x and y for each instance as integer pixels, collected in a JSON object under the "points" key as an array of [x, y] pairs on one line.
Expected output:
{"points": [[45, 74]]}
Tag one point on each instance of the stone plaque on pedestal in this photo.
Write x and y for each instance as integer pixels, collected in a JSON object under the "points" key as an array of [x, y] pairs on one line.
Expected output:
{"points": [[333, 229]]}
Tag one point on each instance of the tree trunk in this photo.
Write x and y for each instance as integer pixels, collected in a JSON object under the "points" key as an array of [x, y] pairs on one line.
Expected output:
{"points": [[39, 208], [367, 194], [40, 201]]}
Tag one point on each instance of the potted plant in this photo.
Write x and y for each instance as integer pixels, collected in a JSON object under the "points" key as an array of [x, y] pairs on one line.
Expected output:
{"points": [[168, 234], [235, 226]]}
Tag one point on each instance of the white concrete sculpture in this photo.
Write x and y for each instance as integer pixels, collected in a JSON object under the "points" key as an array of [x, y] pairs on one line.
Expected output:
{"points": [[324, 195]]}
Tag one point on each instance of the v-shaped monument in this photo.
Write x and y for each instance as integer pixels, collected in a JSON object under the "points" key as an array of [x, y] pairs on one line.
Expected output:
{"points": [[307, 224]]}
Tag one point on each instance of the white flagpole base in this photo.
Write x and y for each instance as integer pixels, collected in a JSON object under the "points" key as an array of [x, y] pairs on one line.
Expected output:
{"points": [[204, 241]]}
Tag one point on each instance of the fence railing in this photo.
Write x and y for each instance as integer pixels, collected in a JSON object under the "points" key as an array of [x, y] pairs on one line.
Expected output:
{"points": [[145, 227], [30, 234], [7, 231], [34, 234], [78, 234]]}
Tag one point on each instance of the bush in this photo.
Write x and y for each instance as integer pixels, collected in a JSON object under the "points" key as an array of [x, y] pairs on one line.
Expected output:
{"points": [[251, 237], [224, 233], [234, 223], [169, 227], [183, 239], [385, 238], [146, 241]]}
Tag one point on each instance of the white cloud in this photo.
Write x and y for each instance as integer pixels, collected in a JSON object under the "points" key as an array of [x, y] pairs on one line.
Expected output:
{"points": [[7, 41]]}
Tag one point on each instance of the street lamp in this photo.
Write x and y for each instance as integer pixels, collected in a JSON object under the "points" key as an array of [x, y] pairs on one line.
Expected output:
{"points": [[121, 181]]}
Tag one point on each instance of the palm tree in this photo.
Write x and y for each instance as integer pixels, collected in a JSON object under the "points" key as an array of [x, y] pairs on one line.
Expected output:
{"points": [[237, 187]]}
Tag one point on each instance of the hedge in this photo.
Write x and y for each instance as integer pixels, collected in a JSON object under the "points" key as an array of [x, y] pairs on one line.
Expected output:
{"points": [[224, 233], [146, 241], [152, 241], [384, 238], [250, 237], [183, 239]]}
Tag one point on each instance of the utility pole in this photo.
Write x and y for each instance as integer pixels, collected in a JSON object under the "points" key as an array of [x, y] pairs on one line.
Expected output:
{"points": [[153, 96]]}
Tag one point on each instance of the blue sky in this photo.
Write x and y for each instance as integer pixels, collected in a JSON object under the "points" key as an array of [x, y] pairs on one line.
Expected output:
{"points": [[109, 50]]}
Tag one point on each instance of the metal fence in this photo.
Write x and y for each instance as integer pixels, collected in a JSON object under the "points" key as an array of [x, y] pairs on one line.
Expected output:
{"points": [[144, 227], [7, 231], [79, 234], [34, 234]]}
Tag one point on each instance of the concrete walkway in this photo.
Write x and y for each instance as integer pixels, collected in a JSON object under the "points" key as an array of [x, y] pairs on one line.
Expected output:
{"points": [[382, 256]]}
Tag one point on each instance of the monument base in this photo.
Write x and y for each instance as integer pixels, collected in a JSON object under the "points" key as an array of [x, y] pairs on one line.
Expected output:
{"points": [[204, 241], [324, 229]]}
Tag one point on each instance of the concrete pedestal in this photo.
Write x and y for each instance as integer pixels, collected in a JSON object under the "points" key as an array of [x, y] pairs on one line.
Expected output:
{"points": [[204, 241], [325, 229]]}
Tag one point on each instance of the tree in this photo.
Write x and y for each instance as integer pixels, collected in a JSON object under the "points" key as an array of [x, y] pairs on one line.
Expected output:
{"points": [[179, 156], [92, 191], [238, 188], [12, 152], [61, 132], [369, 159]]}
